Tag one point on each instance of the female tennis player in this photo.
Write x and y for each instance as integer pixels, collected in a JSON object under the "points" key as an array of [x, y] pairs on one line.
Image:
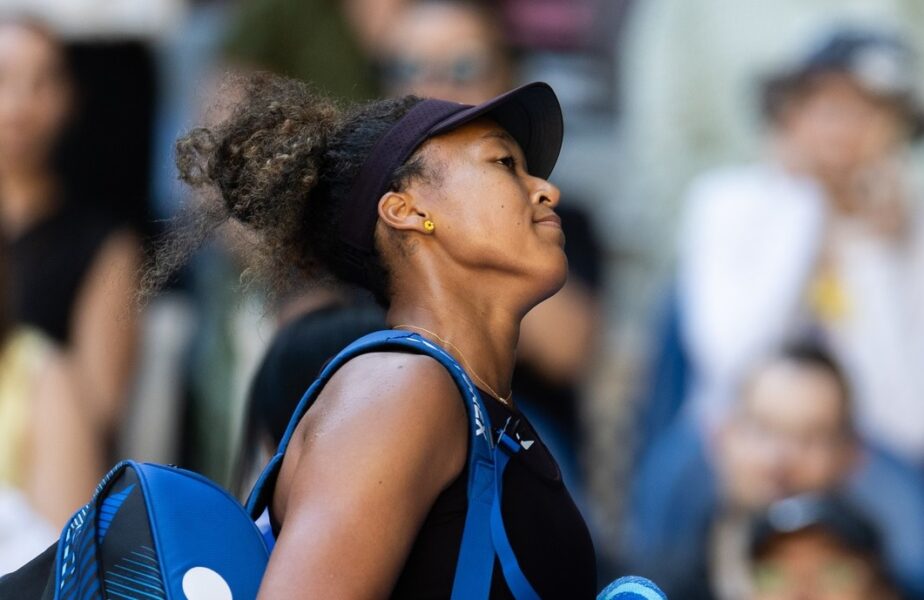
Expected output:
{"points": [[443, 211]]}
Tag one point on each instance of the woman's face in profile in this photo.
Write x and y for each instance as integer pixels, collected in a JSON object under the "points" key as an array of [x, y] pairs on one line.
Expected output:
{"points": [[491, 215], [35, 95]]}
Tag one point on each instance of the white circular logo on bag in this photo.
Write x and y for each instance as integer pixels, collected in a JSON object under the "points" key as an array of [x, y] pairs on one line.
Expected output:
{"points": [[202, 583]]}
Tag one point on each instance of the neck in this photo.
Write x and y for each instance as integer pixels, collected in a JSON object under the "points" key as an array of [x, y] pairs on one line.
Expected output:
{"points": [[481, 333], [25, 197]]}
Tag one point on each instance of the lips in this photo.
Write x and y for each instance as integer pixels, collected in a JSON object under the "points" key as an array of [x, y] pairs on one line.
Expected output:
{"points": [[550, 219]]}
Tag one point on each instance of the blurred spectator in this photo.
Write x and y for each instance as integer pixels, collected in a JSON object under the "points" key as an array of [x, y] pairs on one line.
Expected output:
{"points": [[294, 359], [73, 269], [792, 432], [552, 24], [116, 97], [311, 40], [108, 48], [50, 455], [689, 74], [23, 533], [571, 44], [823, 237], [233, 329], [452, 49], [103, 20], [816, 548]]}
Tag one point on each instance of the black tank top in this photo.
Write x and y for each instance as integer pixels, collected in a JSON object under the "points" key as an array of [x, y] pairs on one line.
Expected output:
{"points": [[546, 530], [49, 264]]}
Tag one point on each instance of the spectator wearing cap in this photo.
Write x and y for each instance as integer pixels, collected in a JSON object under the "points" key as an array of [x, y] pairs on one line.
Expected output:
{"points": [[822, 237], [687, 71], [791, 432], [816, 548]]}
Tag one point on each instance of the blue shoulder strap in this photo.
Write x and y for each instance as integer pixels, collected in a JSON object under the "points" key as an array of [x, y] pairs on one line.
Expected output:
{"points": [[483, 536]]}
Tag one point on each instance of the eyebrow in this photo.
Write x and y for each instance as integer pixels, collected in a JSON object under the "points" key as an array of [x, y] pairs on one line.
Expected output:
{"points": [[499, 134]]}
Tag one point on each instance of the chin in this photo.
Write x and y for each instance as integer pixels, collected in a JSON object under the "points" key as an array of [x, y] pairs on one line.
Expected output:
{"points": [[553, 277]]}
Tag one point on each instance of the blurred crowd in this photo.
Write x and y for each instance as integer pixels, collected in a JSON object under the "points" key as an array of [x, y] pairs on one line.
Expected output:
{"points": [[732, 379]]}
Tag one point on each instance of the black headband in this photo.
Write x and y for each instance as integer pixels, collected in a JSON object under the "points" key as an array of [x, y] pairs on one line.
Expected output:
{"points": [[357, 228]]}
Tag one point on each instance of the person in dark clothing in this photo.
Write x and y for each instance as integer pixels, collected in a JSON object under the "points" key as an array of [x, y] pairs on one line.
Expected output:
{"points": [[443, 212], [311, 40], [73, 271], [298, 352]]}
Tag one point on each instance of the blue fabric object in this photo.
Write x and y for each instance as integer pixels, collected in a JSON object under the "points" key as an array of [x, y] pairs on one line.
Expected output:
{"points": [[181, 523], [136, 575], [152, 531], [194, 523], [507, 447], [109, 509], [669, 377], [632, 588], [482, 541]]}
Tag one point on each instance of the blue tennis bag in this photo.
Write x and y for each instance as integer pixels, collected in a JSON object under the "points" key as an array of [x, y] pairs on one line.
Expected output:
{"points": [[155, 532]]}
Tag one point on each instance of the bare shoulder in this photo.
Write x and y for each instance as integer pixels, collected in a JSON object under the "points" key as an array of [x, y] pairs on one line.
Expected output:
{"points": [[386, 412], [394, 381], [404, 376], [391, 395], [386, 435]]}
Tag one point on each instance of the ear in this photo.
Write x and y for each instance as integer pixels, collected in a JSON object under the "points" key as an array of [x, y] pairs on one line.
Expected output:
{"points": [[400, 210]]}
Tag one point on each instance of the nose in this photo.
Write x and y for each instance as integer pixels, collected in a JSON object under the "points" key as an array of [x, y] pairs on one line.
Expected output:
{"points": [[545, 192]]}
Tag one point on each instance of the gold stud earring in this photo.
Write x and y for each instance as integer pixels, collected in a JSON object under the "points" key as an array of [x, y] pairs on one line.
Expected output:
{"points": [[429, 226]]}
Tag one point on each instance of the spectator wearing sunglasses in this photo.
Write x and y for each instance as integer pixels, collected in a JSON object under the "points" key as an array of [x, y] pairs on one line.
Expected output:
{"points": [[447, 49]]}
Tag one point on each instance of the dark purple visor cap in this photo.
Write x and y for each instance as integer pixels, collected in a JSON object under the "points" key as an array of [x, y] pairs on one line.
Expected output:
{"points": [[530, 113]]}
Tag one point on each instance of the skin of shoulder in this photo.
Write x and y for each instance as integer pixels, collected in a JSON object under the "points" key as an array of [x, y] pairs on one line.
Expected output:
{"points": [[386, 435]]}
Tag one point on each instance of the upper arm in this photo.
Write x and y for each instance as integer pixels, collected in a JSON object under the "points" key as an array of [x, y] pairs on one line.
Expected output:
{"points": [[385, 437], [105, 325]]}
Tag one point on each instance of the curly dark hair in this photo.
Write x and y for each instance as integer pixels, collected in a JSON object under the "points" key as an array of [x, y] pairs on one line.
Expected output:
{"points": [[281, 166]]}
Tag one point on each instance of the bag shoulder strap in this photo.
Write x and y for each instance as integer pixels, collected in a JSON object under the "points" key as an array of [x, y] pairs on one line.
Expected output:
{"points": [[483, 536], [480, 442]]}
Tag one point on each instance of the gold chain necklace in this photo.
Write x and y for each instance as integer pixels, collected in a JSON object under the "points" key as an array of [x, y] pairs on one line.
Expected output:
{"points": [[465, 363]]}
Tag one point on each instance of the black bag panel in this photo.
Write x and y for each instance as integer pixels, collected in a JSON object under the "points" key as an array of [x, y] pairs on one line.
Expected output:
{"points": [[33, 581], [128, 563]]}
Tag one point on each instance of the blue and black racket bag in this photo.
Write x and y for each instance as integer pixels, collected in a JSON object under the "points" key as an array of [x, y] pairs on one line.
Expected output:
{"points": [[151, 532], [155, 532]]}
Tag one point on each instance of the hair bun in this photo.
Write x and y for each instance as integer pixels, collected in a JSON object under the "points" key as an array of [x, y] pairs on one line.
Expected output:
{"points": [[279, 164], [264, 157]]}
